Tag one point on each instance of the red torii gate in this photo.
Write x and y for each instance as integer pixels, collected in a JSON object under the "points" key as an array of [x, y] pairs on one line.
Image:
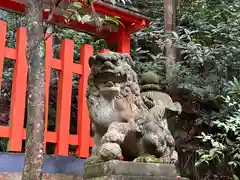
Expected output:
{"points": [[132, 21]]}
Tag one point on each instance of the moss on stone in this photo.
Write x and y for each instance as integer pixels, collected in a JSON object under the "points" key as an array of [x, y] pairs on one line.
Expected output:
{"points": [[150, 159], [150, 78]]}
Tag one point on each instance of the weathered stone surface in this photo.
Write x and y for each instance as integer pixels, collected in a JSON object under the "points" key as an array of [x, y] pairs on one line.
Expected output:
{"points": [[129, 170], [123, 117], [46, 176], [134, 178]]}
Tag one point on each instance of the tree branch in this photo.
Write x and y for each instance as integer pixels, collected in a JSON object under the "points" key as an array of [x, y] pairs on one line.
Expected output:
{"points": [[50, 17]]}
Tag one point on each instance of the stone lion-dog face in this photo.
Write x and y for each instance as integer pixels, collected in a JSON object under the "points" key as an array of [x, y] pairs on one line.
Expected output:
{"points": [[112, 73], [117, 82]]}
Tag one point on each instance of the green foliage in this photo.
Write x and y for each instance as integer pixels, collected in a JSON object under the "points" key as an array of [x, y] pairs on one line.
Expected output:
{"points": [[209, 39], [79, 39], [223, 144], [148, 49], [77, 11]]}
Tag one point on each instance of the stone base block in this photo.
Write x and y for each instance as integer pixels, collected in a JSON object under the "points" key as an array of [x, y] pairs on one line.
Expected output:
{"points": [[122, 170], [134, 178]]}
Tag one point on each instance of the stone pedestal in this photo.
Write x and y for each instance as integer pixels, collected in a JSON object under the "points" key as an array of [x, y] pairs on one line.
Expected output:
{"points": [[122, 170]]}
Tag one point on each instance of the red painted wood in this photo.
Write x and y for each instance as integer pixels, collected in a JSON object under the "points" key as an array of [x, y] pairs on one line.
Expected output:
{"points": [[12, 6], [64, 97], [5, 131], [15, 132], [19, 86], [78, 26], [48, 58], [131, 21], [83, 116], [49, 136], [91, 142], [10, 53], [124, 43], [104, 51], [76, 68], [124, 15], [100, 7], [59, 101], [3, 32]]}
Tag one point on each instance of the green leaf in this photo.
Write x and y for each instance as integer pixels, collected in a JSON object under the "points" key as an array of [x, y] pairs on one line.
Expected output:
{"points": [[198, 163], [235, 177], [231, 143], [113, 20], [211, 152], [86, 18], [79, 18], [232, 163], [76, 14], [123, 1], [76, 5], [175, 34], [236, 156], [113, 1]]}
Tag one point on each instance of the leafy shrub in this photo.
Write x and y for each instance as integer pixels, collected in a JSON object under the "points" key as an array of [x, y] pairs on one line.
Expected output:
{"points": [[223, 144]]}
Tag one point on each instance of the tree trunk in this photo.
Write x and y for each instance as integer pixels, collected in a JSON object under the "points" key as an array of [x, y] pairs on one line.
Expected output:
{"points": [[169, 26], [35, 101]]}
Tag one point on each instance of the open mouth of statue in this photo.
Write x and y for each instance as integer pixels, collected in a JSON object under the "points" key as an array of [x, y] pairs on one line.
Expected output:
{"points": [[110, 82]]}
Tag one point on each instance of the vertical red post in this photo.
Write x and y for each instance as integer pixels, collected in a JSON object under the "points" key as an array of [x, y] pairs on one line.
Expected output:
{"points": [[83, 115], [48, 58], [64, 97], [124, 43], [19, 86], [3, 31]]}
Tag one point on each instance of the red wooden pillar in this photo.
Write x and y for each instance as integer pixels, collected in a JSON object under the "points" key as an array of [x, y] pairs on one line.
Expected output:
{"points": [[48, 58], [83, 115], [64, 98], [124, 43], [18, 97]]}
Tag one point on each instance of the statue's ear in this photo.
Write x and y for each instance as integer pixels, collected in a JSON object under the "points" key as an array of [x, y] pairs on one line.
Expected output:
{"points": [[92, 59], [129, 60], [178, 107], [173, 110]]}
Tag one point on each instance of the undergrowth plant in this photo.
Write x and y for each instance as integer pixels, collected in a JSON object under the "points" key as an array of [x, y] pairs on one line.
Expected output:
{"points": [[223, 144]]}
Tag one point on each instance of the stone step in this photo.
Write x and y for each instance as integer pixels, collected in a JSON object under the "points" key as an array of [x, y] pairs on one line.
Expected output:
{"points": [[119, 177], [121, 170]]}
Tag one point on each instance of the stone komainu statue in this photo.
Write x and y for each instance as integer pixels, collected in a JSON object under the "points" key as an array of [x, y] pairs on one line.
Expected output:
{"points": [[124, 121]]}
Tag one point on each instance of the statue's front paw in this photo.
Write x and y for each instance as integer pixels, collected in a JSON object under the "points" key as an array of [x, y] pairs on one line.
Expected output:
{"points": [[92, 160], [112, 137], [110, 151]]}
